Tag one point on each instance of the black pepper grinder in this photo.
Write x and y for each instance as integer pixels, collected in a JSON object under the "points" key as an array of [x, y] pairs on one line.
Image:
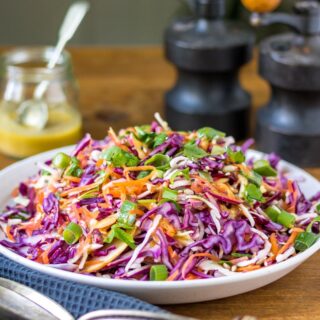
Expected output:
{"points": [[208, 52], [290, 62]]}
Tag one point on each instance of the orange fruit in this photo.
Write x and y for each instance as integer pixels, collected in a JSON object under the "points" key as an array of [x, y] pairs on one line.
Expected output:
{"points": [[261, 6]]}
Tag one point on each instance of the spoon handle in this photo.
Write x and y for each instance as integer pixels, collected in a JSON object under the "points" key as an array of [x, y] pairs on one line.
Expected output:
{"points": [[69, 26]]}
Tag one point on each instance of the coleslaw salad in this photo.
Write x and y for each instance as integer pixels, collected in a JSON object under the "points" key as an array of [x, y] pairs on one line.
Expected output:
{"points": [[153, 204]]}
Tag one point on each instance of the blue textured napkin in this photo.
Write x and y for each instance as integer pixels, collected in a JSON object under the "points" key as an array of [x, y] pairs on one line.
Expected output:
{"points": [[78, 299]]}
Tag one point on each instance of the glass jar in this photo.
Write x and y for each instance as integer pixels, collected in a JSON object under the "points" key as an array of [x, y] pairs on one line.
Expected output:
{"points": [[22, 70]]}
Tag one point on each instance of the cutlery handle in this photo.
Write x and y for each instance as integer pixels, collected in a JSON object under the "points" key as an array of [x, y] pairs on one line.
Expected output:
{"points": [[16, 298], [131, 315], [71, 22]]}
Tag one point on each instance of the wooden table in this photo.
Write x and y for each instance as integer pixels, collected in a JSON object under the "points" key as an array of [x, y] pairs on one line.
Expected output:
{"points": [[122, 87]]}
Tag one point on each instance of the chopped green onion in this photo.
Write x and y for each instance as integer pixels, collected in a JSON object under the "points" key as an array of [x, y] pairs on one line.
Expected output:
{"points": [[264, 168], [184, 172], [217, 150], [151, 139], [125, 237], [158, 272], [222, 262], [74, 170], [119, 157], [205, 175], [110, 236], [90, 194], [160, 173], [144, 202], [210, 133], [144, 136], [241, 255], [125, 217], [61, 160], [252, 192], [143, 174], [19, 216], [72, 233], [305, 240], [159, 139], [45, 173], [280, 216], [159, 161], [236, 156], [192, 151], [145, 127], [309, 228], [286, 219], [169, 194], [254, 178], [273, 212], [117, 232], [141, 133]]}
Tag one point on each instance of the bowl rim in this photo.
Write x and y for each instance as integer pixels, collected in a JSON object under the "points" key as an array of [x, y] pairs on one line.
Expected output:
{"points": [[132, 284]]}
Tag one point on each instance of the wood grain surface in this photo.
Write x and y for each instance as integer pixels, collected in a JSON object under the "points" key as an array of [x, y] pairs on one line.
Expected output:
{"points": [[125, 86]]}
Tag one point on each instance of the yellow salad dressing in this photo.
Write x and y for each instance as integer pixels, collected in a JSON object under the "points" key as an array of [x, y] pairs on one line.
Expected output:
{"points": [[16, 140]]}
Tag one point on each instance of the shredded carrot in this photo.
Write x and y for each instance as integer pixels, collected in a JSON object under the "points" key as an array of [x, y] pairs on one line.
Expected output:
{"points": [[292, 207], [116, 141], [274, 244], [249, 268], [137, 212], [173, 276], [290, 241], [173, 255], [72, 179], [198, 255], [204, 144], [191, 276], [168, 227], [78, 189], [8, 233], [40, 197], [31, 226], [15, 192], [88, 213], [44, 256], [99, 162]]}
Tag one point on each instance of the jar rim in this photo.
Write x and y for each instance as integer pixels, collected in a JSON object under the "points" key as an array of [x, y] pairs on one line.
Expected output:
{"points": [[12, 63]]}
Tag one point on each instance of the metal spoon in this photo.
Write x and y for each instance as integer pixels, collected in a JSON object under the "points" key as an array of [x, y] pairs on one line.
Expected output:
{"points": [[34, 113]]}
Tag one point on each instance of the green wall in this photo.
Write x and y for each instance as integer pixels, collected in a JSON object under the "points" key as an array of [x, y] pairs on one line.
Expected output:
{"points": [[109, 22]]}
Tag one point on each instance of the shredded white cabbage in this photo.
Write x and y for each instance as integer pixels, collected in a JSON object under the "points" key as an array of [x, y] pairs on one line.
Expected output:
{"points": [[139, 248]]}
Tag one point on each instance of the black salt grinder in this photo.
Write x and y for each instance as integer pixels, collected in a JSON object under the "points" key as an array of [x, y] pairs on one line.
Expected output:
{"points": [[208, 52], [290, 123]]}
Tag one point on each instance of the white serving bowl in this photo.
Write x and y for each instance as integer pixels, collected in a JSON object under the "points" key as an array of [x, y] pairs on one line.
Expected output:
{"points": [[164, 292]]}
